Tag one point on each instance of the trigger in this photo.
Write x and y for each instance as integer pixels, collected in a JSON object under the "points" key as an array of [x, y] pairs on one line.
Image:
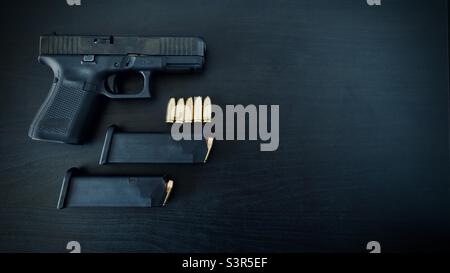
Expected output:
{"points": [[111, 84]]}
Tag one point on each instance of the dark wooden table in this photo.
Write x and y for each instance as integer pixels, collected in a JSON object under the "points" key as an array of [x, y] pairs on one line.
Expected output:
{"points": [[364, 142]]}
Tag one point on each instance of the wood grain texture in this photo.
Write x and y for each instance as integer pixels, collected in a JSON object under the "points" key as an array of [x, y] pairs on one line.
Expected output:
{"points": [[364, 143]]}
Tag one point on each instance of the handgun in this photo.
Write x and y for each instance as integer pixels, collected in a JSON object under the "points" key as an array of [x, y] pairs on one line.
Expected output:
{"points": [[86, 68]]}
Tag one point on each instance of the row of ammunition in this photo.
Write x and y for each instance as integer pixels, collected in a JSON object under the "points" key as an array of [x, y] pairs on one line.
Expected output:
{"points": [[193, 110]]}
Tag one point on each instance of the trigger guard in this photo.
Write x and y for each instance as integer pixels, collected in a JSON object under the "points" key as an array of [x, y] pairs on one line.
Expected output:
{"points": [[114, 94]]}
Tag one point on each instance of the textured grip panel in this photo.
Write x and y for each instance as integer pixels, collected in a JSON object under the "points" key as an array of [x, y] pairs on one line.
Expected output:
{"points": [[63, 116]]}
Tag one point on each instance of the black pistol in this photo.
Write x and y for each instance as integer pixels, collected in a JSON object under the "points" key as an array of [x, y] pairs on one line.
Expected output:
{"points": [[86, 67]]}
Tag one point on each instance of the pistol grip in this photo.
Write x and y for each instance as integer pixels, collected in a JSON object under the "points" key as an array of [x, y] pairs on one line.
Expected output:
{"points": [[64, 114]]}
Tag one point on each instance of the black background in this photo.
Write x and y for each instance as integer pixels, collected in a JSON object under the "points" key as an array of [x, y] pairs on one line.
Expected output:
{"points": [[364, 154]]}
